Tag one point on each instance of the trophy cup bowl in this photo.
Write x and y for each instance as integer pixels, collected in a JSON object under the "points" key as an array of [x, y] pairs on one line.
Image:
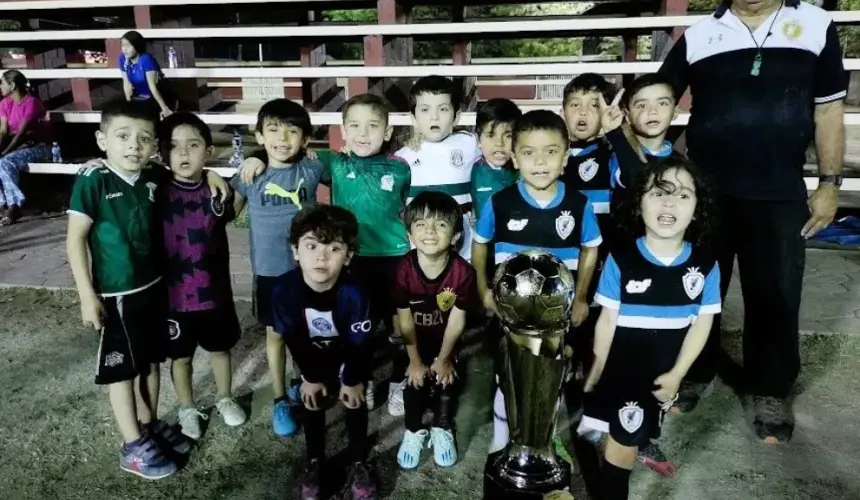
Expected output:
{"points": [[533, 291]]}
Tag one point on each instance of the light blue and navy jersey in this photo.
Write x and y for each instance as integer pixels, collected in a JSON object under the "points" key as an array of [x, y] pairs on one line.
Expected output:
{"points": [[592, 169], [651, 294], [514, 221]]}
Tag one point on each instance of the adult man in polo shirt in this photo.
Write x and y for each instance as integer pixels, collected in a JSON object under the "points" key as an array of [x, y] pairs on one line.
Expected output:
{"points": [[766, 78]]}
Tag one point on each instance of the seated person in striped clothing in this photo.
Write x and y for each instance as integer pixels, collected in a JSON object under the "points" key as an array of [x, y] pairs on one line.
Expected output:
{"points": [[537, 212], [659, 292]]}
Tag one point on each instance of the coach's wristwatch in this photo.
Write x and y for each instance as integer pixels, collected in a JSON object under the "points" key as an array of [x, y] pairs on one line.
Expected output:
{"points": [[836, 180]]}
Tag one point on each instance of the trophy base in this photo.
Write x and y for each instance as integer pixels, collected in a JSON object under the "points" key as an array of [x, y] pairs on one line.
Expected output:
{"points": [[497, 488]]}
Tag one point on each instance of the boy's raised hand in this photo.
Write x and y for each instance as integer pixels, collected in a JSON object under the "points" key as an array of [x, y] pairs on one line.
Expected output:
{"points": [[251, 168], [611, 116]]}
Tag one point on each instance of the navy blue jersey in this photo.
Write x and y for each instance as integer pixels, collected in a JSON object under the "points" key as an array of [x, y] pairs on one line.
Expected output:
{"points": [[514, 221], [592, 169], [324, 330], [653, 295]]}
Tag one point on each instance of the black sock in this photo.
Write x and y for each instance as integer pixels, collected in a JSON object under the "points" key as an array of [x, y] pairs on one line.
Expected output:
{"points": [[615, 482]]}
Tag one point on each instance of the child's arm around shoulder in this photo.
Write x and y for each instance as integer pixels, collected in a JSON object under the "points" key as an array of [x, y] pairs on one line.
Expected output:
{"points": [[83, 212]]}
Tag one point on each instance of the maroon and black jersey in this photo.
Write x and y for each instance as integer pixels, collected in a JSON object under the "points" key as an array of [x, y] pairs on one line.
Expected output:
{"points": [[431, 300]]}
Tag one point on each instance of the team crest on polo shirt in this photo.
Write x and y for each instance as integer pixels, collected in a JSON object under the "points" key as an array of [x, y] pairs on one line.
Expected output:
{"points": [[320, 324], [588, 169], [386, 182], [694, 282], [631, 417], [792, 30], [457, 158], [564, 224], [217, 206], [445, 300], [173, 329]]}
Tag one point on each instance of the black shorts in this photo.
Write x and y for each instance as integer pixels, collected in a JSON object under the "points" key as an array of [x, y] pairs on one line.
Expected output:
{"points": [[622, 403], [132, 335], [376, 274], [215, 330], [262, 298]]}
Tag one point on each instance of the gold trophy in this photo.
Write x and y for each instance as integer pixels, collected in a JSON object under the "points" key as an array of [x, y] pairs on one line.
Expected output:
{"points": [[533, 291]]}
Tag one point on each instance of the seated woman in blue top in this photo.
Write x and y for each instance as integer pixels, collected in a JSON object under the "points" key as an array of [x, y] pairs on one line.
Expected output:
{"points": [[141, 74]]}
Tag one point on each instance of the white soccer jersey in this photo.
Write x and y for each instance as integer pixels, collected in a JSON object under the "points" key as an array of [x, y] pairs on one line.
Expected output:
{"points": [[446, 166]]}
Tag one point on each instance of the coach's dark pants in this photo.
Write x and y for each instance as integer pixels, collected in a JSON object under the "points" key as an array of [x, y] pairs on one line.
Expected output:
{"points": [[765, 238]]}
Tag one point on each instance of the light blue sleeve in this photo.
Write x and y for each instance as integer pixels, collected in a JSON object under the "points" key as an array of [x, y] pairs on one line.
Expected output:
{"points": [[590, 235], [711, 296], [485, 229], [609, 287]]}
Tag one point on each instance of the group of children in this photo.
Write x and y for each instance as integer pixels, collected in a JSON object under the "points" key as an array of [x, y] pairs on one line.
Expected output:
{"points": [[394, 247]]}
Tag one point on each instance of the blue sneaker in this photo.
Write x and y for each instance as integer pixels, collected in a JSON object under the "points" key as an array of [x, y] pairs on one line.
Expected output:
{"points": [[167, 437], [283, 422], [146, 460], [294, 395], [444, 450]]}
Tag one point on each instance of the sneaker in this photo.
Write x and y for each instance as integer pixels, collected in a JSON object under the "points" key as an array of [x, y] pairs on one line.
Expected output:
{"points": [[294, 395], [395, 399], [774, 422], [653, 457], [146, 460], [231, 412], [359, 484], [409, 453], [189, 422], [310, 482], [444, 449], [688, 396], [283, 422], [370, 396], [167, 437]]}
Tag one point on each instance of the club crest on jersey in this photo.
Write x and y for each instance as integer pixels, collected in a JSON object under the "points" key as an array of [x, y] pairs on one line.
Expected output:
{"points": [[320, 324], [792, 30], [445, 300], [694, 282], [151, 186], [217, 206], [631, 417], [457, 158], [386, 183], [564, 224], [588, 169], [173, 329]]}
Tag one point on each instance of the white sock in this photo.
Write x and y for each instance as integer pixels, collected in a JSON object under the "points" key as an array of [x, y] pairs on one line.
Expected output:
{"points": [[500, 423]]}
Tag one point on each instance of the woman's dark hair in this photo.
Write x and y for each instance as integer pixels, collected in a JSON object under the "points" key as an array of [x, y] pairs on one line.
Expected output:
{"points": [[630, 209], [136, 40], [17, 79], [328, 224]]}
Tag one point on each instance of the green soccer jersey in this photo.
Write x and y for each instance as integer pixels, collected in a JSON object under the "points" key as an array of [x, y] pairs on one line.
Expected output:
{"points": [[122, 238], [487, 181], [375, 190]]}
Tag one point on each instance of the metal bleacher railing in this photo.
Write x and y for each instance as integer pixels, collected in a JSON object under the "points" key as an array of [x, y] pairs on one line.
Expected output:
{"points": [[520, 28]]}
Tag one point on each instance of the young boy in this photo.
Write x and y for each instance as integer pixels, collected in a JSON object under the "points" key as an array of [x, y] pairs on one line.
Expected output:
{"points": [[324, 317], [537, 212], [495, 170], [659, 289], [440, 160], [197, 272], [274, 198], [435, 289], [111, 224], [373, 186]]}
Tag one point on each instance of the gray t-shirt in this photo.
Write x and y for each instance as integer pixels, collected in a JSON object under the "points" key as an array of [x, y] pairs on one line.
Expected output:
{"points": [[274, 199]]}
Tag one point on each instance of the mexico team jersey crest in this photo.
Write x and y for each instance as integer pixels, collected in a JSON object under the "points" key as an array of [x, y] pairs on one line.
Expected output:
{"points": [[444, 166]]}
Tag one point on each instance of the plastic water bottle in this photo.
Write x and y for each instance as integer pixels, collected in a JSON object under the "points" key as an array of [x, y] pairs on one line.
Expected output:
{"points": [[172, 61], [56, 155], [238, 156]]}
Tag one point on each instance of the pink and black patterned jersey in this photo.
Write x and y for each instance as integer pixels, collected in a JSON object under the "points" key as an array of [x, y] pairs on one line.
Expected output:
{"points": [[197, 264], [431, 300]]}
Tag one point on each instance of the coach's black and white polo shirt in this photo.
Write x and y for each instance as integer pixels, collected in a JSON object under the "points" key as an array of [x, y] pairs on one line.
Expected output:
{"points": [[750, 132]]}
